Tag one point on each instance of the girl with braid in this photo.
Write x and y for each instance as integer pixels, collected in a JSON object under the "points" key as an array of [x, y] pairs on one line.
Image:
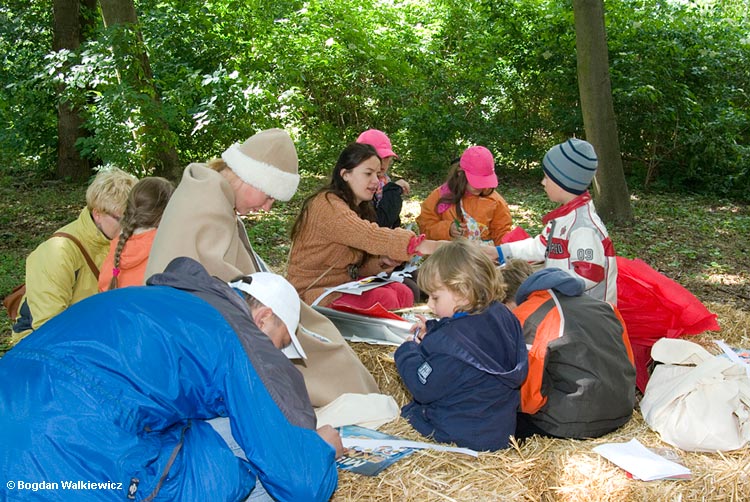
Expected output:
{"points": [[125, 264]]}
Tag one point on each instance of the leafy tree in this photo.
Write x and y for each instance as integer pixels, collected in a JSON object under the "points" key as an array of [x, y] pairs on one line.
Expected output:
{"points": [[611, 191], [73, 20], [437, 75], [27, 103], [680, 80], [154, 142]]}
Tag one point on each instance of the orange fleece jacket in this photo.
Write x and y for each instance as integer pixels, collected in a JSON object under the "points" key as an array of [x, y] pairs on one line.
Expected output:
{"points": [[490, 212]]}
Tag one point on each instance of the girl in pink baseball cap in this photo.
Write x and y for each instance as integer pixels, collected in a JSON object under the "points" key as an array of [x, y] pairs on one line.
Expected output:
{"points": [[388, 199], [467, 205]]}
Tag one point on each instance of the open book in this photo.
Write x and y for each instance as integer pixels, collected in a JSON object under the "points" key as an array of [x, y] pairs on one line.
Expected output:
{"points": [[367, 283], [369, 460]]}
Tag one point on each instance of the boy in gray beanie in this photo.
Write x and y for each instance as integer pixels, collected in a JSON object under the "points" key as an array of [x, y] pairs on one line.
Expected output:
{"points": [[574, 237]]}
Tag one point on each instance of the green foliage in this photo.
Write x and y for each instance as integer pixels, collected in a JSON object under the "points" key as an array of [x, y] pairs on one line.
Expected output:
{"points": [[437, 75], [27, 135], [107, 81], [680, 81]]}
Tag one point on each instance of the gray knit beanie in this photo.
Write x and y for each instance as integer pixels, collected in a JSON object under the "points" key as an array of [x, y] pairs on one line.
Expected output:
{"points": [[572, 165]]}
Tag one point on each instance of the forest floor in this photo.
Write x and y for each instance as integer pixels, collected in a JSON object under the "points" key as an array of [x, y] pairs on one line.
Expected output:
{"points": [[700, 242]]}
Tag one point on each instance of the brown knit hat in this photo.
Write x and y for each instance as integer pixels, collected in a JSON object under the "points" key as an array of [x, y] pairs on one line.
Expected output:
{"points": [[268, 161]]}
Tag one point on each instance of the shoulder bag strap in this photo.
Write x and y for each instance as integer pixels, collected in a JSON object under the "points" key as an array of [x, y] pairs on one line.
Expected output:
{"points": [[89, 261]]}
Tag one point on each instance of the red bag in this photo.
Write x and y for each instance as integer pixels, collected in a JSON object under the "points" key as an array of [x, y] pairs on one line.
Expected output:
{"points": [[517, 234], [654, 306], [12, 302]]}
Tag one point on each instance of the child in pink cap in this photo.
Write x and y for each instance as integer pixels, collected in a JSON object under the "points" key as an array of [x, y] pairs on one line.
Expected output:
{"points": [[387, 199], [467, 205]]}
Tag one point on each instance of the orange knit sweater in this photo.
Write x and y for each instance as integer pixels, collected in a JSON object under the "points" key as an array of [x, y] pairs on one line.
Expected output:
{"points": [[333, 238]]}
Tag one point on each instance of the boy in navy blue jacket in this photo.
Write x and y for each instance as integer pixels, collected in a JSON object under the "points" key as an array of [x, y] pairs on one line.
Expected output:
{"points": [[464, 370]]}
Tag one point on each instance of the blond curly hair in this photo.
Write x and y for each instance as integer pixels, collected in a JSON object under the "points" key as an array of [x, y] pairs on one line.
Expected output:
{"points": [[461, 267], [109, 191]]}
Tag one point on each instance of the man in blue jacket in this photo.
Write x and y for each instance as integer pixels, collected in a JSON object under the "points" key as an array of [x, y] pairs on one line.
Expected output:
{"points": [[109, 401]]}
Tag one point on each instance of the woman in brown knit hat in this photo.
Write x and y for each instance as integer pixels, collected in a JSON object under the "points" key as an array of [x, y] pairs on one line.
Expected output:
{"points": [[336, 238]]}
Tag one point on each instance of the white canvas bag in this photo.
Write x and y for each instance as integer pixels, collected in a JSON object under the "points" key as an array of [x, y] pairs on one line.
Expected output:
{"points": [[697, 401]]}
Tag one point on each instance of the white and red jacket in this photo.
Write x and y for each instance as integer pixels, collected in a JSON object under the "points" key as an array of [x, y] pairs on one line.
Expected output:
{"points": [[574, 239]]}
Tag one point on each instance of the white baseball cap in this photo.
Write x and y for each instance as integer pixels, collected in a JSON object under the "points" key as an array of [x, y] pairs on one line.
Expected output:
{"points": [[279, 295]]}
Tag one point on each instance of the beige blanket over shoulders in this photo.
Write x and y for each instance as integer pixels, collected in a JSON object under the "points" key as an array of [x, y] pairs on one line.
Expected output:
{"points": [[200, 222]]}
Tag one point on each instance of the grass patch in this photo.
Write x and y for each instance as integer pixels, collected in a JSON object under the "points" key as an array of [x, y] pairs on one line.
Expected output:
{"points": [[698, 241]]}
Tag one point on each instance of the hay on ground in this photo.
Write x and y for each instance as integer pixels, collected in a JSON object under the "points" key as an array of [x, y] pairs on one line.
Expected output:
{"points": [[544, 469]]}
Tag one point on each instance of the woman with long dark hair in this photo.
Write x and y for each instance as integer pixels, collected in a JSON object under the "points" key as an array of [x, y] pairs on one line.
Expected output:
{"points": [[336, 238]]}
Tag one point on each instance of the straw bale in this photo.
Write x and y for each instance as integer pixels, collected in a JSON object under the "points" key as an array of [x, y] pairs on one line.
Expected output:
{"points": [[545, 469]]}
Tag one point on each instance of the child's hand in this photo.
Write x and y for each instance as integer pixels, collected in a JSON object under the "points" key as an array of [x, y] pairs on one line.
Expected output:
{"points": [[491, 252], [405, 188], [419, 329], [457, 230]]}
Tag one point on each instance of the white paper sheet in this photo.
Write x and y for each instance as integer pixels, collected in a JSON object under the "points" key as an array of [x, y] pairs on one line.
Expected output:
{"points": [[639, 461]]}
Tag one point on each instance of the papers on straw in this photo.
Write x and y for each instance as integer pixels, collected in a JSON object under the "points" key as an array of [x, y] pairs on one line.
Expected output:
{"points": [[351, 442], [641, 462]]}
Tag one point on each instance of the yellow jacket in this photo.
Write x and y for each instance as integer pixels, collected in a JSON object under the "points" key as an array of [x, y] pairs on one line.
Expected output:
{"points": [[57, 275]]}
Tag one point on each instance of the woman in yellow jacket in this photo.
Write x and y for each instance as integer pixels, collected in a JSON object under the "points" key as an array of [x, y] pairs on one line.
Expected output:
{"points": [[57, 272], [467, 205]]}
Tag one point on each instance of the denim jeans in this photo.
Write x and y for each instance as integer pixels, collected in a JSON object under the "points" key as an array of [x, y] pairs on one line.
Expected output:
{"points": [[221, 425]]}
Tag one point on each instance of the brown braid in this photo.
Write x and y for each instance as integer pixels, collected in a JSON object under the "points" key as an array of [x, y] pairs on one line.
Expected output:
{"points": [[146, 204], [125, 233], [457, 185]]}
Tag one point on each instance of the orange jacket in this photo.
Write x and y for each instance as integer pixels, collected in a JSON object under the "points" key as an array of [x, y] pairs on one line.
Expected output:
{"points": [[491, 213], [581, 380], [133, 260]]}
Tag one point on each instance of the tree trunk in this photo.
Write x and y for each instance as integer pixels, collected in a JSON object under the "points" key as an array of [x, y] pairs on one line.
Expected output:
{"points": [[610, 188], [67, 34], [154, 137]]}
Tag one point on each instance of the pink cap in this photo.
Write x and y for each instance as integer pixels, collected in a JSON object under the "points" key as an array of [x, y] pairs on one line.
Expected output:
{"points": [[379, 141], [479, 166]]}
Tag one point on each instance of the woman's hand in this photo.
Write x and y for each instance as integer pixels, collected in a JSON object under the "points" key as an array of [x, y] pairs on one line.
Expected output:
{"points": [[386, 262], [428, 247]]}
